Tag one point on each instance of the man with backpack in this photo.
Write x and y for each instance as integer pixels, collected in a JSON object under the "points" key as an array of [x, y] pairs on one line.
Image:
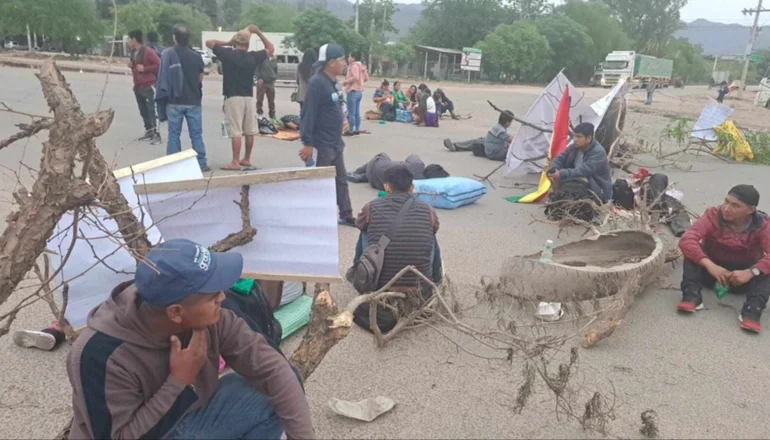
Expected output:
{"points": [[409, 227]]}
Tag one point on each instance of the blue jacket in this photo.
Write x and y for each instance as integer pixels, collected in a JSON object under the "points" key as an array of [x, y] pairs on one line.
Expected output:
{"points": [[170, 81], [595, 168], [321, 117]]}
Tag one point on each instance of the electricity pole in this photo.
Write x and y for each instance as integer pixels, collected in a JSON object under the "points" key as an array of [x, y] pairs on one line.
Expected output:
{"points": [[356, 15], [750, 46]]}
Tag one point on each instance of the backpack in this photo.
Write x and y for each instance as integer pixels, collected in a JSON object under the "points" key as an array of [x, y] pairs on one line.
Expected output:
{"points": [[622, 194], [366, 274], [255, 310]]}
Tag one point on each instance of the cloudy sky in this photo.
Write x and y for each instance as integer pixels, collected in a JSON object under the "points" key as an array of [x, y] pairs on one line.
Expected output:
{"points": [[725, 11]]}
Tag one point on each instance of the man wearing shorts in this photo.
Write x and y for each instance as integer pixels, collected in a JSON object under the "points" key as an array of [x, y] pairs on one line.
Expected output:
{"points": [[238, 67]]}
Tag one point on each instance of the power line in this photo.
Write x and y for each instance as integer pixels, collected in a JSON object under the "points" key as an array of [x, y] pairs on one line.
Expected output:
{"points": [[750, 46]]}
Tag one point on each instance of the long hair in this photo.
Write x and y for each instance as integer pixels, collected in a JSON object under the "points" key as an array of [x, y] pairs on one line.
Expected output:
{"points": [[306, 65]]}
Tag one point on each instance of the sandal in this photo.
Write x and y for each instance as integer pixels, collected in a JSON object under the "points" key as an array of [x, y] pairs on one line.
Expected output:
{"points": [[229, 168], [248, 167]]}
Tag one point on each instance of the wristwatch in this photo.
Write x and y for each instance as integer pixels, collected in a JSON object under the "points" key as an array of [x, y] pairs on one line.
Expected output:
{"points": [[756, 272]]}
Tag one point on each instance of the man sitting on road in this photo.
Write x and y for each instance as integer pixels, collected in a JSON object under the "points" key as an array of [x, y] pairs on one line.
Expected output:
{"points": [[147, 364], [583, 163], [494, 146], [374, 171], [238, 66], [729, 245], [413, 243]]}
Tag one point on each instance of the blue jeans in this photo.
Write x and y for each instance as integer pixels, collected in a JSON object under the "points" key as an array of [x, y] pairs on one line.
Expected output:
{"points": [[176, 114], [362, 243], [236, 411], [354, 110]]}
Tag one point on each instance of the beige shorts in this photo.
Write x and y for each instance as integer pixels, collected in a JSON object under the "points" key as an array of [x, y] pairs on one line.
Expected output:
{"points": [[240, 116]]}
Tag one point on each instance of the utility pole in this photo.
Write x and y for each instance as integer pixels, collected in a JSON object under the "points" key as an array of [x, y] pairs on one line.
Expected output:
{"points": [[356, 6], [750, 46]]}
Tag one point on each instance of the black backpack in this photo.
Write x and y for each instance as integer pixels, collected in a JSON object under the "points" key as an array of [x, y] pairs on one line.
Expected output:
{"points": [[255, 310], [622, 194]]}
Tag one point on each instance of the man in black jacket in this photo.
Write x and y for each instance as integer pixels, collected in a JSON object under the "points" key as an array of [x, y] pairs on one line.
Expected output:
{"points": [[321, 123]]}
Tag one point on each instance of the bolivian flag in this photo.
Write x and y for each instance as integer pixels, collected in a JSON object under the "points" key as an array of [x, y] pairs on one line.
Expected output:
{"points": [[559, 141]]}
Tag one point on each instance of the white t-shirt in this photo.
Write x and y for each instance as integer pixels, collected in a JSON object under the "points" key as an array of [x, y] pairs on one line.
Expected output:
{"points": [[430, 105]]}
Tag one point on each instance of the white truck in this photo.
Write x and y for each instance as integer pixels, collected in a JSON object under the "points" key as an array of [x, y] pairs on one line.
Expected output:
{"points": [[288, 57], [635, 68]]}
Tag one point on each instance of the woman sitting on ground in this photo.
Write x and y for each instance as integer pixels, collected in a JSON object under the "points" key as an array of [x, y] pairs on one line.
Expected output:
{"points": [[412, 97], [382, 96], [399, 98], [425, 113]]}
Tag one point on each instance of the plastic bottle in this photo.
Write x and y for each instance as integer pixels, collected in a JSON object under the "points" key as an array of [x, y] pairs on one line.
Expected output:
{"points": [[224, 130], [547, 255], [720, 290]]}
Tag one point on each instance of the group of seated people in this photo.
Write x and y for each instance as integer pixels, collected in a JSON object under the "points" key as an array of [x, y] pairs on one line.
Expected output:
{"points": [[426, 107]]}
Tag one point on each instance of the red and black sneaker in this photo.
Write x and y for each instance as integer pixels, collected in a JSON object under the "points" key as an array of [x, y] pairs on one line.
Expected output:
{"points": [[690, 303], [749, 318]]}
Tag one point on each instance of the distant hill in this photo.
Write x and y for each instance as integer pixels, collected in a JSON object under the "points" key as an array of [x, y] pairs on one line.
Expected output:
{"points": [[720, 38]]}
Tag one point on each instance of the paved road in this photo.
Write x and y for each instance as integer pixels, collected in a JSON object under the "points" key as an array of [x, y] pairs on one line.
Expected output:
{"points": [[702, 375]]}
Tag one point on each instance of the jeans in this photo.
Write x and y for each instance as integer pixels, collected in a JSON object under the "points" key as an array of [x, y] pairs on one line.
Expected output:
{"points": [[362, 243], [695, 276], [145, 99], [193, 114], [236, 411], [332, 157], [441, 108], [269, 90], [354, 110]]}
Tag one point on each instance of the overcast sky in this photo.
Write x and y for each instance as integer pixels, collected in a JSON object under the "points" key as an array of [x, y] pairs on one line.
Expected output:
{"points": [[725, 11]]}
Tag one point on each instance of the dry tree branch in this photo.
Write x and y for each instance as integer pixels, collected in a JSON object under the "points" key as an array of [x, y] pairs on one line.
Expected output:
{"points": [[523, 122], [27, 130], [246, 234]]}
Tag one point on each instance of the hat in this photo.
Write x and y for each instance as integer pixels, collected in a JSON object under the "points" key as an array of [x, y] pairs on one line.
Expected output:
{"points": [[746, 194], [328, 52], [176, 269], [242, 37]]}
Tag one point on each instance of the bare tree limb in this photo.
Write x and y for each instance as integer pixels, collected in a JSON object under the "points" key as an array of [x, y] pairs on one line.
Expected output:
{"points": [[27, 130], [246, 234]]}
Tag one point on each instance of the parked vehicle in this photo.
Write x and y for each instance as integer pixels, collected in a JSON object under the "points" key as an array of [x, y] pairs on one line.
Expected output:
{"points": [[205, 55], [637, 69], [597, 79], [288, 57]]}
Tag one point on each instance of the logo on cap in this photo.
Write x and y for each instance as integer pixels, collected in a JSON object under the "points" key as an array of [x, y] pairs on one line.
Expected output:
{"points": [[202, 257]]}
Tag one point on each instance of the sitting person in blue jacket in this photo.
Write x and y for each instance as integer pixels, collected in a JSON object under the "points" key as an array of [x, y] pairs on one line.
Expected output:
{"points": [[582, 165]]}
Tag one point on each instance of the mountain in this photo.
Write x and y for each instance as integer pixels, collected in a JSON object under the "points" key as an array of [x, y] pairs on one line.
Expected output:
{"points": [[720, 38], [405, 17]]}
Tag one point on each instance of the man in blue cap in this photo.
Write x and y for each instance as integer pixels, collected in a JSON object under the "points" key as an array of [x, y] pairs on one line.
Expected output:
{"points": [[321, 123], [147, 364]]}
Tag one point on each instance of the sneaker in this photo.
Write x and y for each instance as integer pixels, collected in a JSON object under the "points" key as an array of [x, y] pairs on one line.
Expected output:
{"points": [[350, 221], [690, 302], [205, 169], [156, 139], [146, 136], [356, 178], [449, 145], [46, 339], [749, 318]]}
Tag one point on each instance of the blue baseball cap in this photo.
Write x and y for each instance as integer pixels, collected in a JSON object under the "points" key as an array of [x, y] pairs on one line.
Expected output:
{"points": [[177, 269]]}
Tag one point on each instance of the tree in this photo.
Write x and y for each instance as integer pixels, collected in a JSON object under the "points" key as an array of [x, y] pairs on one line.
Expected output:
{"points": [[231, 12], [601, 26], [531, 9], [400, 53], [649, 23], [269, 17], [73, 25], [371, 16], [514, 52], [151, 15], [458, 23], [688, 60], [571, 47], [316, 27]]}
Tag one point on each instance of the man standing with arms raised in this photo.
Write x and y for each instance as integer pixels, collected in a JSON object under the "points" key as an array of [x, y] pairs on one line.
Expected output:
{"points": [[238, 66], [321, 123]]}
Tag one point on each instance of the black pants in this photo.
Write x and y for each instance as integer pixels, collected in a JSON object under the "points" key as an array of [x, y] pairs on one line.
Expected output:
{"points": [[695, 276], [332, 157], [267, 89], [145, 99]]}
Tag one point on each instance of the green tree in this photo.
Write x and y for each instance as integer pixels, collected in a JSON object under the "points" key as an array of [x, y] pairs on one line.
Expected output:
{"points": [[231, 12], [604, 29], [689, 62], [315, 27], [459, 23], [400, 53], [159, 16], [269, 17], [73, 25], [531, 9], [514, 52], [650, 23], [371, 16], [571, 47]]}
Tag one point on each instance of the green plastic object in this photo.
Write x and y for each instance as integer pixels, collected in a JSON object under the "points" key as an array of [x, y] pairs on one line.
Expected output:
{"points": [[243, 286], [720, 290], [382, 194], [295, 315], [382, 122]]}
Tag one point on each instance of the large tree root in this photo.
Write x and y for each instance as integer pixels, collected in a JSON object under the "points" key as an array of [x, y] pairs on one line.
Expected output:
{"points": [[607, 325]]}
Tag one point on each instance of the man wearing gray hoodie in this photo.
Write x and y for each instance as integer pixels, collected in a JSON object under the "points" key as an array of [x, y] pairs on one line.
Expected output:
{"points": [[147, 364]]}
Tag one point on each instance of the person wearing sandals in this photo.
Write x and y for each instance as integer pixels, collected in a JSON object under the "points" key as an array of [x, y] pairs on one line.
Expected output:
{"points": [[238, 66]]}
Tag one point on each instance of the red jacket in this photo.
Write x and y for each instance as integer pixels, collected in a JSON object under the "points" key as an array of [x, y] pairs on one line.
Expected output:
{"points": [[711, 237], [151, 62]]}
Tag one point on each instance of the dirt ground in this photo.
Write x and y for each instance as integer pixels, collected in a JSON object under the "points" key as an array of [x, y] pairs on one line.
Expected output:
{"points": [[701, 374]]}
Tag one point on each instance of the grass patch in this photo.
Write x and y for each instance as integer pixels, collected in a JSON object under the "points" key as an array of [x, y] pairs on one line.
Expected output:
{"points": [[760, 145]]}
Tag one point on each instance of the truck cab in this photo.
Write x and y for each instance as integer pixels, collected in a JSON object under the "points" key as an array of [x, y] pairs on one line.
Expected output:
{"points": [[597, 80], [618, 65]]}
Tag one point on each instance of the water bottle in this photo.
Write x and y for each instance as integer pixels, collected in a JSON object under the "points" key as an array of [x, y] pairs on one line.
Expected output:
{"points": [[547, 255], [224, 130]]}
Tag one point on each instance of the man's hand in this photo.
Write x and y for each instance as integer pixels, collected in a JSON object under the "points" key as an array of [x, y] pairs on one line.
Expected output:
{"points": [[306, 153], [130, 64], [719, 273], [186, 364], [260, 83], [740, 277], [140, 67], [555, 178]]}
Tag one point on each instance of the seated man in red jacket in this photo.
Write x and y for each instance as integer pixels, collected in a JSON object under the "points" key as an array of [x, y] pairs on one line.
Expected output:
{"points": [[729, 245]]}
